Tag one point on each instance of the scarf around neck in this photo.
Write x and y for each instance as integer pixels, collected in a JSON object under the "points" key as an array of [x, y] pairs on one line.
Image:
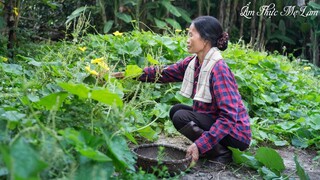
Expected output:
{"points": [[203, 86]]}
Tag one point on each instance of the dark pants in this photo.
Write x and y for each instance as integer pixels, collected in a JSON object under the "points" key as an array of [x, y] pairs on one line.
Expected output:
{"points": [[181, 115]]}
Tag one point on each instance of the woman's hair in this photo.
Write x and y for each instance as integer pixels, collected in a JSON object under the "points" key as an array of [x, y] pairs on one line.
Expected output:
{"points": [[210, 29]]}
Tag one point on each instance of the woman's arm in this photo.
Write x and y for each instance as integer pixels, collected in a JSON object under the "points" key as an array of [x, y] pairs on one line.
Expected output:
{"points": [[171, 73]]}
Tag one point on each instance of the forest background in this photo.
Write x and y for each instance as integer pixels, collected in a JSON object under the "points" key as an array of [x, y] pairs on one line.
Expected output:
{"points": [[288, 27], [62, 116]]}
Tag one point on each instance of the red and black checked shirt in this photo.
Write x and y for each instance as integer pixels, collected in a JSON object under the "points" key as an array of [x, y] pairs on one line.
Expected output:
{"points": [[226, 106]]}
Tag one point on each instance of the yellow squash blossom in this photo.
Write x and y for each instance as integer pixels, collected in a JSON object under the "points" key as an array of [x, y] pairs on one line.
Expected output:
{"points": [[178, 30], [104, 66], [97, 60], [82, 49], [93, 72], [117, 33], [101, 63]]}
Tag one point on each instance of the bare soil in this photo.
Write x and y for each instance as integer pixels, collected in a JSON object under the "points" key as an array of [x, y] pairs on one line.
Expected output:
{"points": [[210, 170]]}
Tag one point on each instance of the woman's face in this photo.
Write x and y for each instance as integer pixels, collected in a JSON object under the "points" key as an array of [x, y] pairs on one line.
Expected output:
{"points": [[195, 43]]}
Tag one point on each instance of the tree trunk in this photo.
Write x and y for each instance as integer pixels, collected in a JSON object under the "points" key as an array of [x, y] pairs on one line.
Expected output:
{"points": [[103, 12], [242, 21], [200, 9], [253, 26], [221, 13], [227, 17], [208, 7], [257, 43], [315, 48], [233, 15], [10, 25]]}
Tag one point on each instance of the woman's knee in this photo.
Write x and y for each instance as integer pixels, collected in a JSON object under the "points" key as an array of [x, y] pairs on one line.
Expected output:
{"points": [[176, 108], [180, 119]]}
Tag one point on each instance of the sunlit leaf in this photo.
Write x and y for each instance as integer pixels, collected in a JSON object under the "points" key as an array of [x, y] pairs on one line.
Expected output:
{"points": [[133, 71], [147, 133], [270, 158], [152, 60]]}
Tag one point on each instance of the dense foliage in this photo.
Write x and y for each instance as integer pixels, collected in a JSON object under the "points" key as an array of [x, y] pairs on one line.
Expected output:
{"points": [[63, 116], [294, 28]]}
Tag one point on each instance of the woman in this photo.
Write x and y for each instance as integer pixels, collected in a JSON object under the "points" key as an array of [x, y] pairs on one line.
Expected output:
{"points": [[217, 118]]}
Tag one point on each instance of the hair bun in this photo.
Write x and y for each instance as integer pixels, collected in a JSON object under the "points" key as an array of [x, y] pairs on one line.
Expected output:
{"points": [[222, 42]]}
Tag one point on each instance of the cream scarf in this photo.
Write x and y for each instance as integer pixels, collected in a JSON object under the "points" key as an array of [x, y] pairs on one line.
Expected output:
{"points": [[203, 87]]}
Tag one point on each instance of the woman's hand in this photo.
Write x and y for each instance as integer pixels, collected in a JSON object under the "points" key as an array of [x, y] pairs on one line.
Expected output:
{"points": [[118, 75], [194, 153]]}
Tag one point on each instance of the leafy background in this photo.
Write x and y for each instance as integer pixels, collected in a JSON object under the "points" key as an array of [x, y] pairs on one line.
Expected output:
{"points": [[64, 115]]}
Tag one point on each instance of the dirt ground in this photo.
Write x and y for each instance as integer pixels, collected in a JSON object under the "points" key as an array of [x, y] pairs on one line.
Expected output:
{"points": [[232, 171]]}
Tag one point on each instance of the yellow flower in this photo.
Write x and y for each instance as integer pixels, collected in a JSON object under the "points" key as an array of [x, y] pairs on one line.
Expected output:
{"points": [[16, 11], [4, 59], [307, 68], [83, 48], [93, 72], [104, 66], [178, 30], [187, 29], [117, 33], [97, 60]]}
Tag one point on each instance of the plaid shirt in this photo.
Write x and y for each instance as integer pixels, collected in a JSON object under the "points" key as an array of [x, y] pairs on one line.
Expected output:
{"points": [[226, 106]]}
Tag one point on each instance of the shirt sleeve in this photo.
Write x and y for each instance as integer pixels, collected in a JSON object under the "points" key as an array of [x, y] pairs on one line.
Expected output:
{"points": [[165, 74], [225, 92]]}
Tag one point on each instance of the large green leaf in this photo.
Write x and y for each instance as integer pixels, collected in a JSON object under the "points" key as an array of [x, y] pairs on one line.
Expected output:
{"points": [[267, 174], [173, 23], [12, 116], [244, 158], [15, 69], [125, 17], [119, 152], [23, 161], [172, 9], [106, 97], [94, 170], [53, 100], [133, 71], [107, 26], [93, 154], [148, 133], [77, 89], [271, 159], [160, 24], [300, 171], [76, 13]]}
